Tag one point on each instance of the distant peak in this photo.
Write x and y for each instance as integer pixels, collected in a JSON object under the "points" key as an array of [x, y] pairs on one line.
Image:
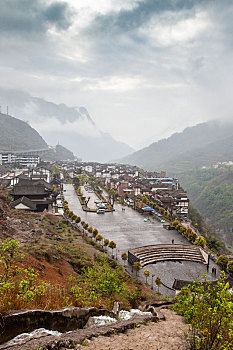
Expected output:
{"points": [[84, 111]]}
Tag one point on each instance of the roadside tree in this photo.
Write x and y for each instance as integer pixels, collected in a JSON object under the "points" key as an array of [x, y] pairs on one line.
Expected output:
{"points": [[200, 241], [124, 257], [158, 282], [146, 274], [137, 265], [112, 245]]}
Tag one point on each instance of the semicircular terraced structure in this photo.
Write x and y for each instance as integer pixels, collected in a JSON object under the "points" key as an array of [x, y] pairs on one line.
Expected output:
{"points": [[152, 254]]}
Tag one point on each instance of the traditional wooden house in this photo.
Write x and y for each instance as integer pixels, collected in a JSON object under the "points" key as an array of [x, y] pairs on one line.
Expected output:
{"points": [[31, 194]]}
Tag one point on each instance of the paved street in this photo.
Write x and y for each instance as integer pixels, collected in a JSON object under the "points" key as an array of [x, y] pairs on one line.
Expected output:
{"points": [[129, 230], [91, 204]]}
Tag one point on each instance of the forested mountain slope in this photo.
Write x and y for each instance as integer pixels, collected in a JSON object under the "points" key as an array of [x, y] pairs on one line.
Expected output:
{"points": [[218, 151], [211, 191], [16, 135], [188, 149]]}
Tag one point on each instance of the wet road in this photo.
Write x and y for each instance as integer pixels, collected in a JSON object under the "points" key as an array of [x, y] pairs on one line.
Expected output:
{"points": [[129, 230]]}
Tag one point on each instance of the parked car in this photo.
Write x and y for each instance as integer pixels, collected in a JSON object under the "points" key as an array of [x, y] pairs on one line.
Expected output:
{"points": [[100, 211], [167, 226], [101, 206]]}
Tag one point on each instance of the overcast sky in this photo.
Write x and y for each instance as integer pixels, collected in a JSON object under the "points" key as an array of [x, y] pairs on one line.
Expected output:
{"points": [[143, 69]]}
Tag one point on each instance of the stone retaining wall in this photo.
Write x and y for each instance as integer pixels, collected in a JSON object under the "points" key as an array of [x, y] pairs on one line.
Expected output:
{"points": [[61, 320], [71, 339]]}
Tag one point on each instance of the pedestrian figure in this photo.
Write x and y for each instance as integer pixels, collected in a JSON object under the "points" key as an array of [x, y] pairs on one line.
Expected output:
{"points": [[173, 241]]}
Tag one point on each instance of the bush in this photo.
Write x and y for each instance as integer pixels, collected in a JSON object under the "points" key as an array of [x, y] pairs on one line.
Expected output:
{"points": [[200, 241], [192, 236], [175, 223], [77, 220], [102, 280], [230, 266], [9, 252], [209, 311], [95, 232], [222, 261]]}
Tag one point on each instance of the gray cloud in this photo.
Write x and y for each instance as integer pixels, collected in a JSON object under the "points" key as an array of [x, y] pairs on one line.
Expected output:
{"points": [[141, 14], [161, 63], [27, 17]]}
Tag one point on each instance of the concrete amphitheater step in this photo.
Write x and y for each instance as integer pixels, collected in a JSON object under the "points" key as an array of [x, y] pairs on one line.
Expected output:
{"points": [[155, 253]]}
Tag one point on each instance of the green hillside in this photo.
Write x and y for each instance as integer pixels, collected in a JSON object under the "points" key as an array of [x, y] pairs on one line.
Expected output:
{"points": [[16, 135], [59, 153], [219, 151], [194, 147], [211, 192]]}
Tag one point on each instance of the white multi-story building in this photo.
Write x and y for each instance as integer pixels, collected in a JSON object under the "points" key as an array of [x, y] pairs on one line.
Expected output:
{"points": [[27, 161], [88, 168]]}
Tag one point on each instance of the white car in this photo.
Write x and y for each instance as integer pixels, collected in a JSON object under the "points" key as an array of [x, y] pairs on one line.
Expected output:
{"points": [[101, 206], [100, 211]]}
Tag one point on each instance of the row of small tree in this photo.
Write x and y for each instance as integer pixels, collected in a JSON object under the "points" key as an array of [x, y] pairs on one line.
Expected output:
{"points": [[153, 205], [191, 235], [225, 263], [105, 242], [94, 232]]}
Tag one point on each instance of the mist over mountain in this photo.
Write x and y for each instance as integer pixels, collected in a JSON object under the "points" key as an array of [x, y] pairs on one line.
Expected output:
{"points": [[71, 126], [196, 146], [17, 135]]}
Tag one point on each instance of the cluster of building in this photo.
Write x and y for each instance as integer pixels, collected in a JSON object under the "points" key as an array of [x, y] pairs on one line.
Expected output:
{"points": [[130, 181], [32, 189]]}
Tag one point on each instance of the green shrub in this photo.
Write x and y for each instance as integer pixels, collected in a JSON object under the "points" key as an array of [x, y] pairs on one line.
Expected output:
{"points": [[209, 311], [230, 266], [222, 261], [200, 241]]}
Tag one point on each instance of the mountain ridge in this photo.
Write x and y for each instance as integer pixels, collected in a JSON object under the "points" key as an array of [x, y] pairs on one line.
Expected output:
{"points": [[18, 136], [159, 154], [71, 126]]}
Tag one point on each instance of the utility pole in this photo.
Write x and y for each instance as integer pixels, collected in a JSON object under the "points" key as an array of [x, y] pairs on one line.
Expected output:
{"points": [[7, 110]]}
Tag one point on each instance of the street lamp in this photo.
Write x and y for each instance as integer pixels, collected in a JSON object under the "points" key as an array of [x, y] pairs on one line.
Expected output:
{"points": [[152, 281]]}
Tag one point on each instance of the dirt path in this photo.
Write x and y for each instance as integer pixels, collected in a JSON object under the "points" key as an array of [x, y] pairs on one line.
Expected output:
{"points": [[165, 335]]}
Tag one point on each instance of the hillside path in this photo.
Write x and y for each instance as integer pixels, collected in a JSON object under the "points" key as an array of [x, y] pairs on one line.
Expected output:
{"points": [[164, 335]]}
